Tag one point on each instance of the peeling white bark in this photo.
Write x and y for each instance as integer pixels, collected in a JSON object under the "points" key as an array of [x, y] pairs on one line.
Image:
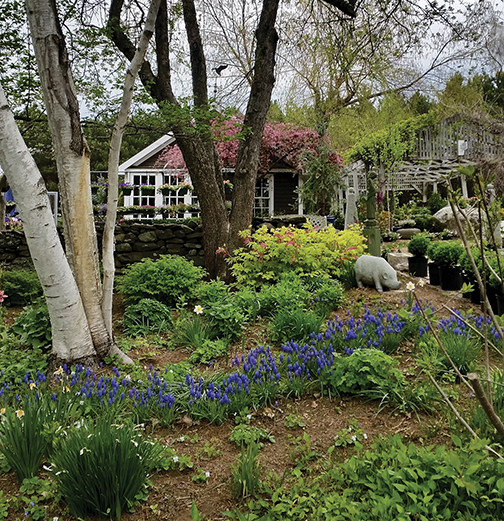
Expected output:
{"points": [[71, 335], [113, 165]]}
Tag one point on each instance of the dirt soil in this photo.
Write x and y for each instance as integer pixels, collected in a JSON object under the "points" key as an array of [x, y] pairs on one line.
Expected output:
{"points": [[208, 445]]}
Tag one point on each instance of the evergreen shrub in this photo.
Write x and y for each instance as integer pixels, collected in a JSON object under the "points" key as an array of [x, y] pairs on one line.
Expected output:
{"points": [[21, 286], [167, 279]]}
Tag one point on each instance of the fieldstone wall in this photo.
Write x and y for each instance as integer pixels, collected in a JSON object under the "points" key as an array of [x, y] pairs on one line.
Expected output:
{"points": [[13, 248], [136, 240]]}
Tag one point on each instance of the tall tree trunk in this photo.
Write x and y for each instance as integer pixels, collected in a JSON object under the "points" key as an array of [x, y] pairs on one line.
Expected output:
{"points": [[72, 160], [197, 148], [247, 161], [70, 331], [113, 166]]}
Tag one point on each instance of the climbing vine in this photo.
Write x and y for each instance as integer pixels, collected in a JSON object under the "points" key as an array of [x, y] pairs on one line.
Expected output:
{"points": [[391, 145]]}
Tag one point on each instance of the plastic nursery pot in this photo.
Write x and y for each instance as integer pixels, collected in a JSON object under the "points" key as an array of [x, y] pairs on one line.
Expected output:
{"points": [[475, 294], [433, 274], [417, 266], [450, 278]]}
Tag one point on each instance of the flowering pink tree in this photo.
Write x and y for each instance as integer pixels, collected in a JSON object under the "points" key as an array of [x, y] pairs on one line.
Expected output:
{"points": [[281, 142], [191, 122]]}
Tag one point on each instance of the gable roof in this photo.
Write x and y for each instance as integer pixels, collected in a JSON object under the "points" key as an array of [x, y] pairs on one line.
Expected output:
{"points": [[148, 152]]}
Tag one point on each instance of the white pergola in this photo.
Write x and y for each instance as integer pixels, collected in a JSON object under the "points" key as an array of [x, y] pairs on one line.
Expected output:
{"points": [[440, 150]]}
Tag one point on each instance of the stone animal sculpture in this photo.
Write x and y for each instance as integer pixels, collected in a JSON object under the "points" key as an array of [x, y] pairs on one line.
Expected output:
{"points": [[375, 271]]}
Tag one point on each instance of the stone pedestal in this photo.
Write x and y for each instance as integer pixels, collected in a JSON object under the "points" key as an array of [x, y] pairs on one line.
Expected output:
{"points": [[372, 234]]}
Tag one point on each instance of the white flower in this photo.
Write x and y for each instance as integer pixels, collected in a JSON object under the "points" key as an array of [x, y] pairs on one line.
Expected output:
{"points": [[354, 438], [421, 283], [410, 286], [175, 459], [198, 309], [207, 474], [365, 436]]}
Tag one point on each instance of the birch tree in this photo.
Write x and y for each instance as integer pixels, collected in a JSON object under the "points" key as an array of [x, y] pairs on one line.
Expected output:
{"points": [[80, 290], [70, 330]]}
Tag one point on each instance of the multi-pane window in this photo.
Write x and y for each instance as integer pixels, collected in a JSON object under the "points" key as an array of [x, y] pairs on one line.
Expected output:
{"points": [[262, 197], [178, 197], [139, 198]]}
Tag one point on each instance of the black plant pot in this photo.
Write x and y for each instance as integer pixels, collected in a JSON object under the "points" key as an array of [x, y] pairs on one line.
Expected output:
{"points": [[475, 294], [492, 297], [499, 297], [433, 274], [450, 278], [417, 266]]}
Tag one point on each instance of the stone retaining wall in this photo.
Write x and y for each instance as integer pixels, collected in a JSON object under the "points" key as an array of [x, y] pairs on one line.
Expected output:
{"points": [[136, 240]]}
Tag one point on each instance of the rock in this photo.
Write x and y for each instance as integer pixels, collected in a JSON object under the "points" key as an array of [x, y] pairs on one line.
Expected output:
{"points": [[446, 217], [123, 247], [148, 237], [399, 261], [407, 233], [375, 271]]}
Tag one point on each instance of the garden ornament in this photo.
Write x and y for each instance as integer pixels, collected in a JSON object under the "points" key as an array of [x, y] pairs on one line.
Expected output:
{"points": [[375, 271]]}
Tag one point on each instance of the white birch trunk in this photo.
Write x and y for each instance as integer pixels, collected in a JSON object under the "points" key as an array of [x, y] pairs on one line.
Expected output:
{"points": [[71, 335], [72, 160], [113, 165]]}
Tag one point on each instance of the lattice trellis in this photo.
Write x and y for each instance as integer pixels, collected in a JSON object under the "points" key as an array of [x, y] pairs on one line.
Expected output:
{"points": [[440, 150]]}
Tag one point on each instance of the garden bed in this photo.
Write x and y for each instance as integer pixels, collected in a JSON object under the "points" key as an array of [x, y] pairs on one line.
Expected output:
{"points": [[300, 427]]}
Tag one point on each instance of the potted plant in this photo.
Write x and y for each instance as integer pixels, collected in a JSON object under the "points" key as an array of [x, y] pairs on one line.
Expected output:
{"points": [[418, 246], [494, 286], [193, 208], [446, 255], [147, 189], [95, 186], [147, 210], [433, 267], [166, 189], [468, 275], [126, 188]]}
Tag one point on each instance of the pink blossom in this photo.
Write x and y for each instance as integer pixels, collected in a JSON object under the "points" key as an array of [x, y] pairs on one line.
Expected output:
{"points": [[3, 296], [281, 143]]}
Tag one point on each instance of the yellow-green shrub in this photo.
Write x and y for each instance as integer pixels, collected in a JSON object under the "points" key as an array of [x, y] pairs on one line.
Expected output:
{"points": [[267, 254]]}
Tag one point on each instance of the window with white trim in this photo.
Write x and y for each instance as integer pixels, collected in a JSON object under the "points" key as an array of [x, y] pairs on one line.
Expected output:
{"points": [[140, 199], [262, 197], [174, 179]]}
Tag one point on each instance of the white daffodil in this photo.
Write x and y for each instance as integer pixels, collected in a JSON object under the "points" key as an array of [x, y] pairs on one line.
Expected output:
{"points": [[421, 283], [198, 309], [410, 286]]}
